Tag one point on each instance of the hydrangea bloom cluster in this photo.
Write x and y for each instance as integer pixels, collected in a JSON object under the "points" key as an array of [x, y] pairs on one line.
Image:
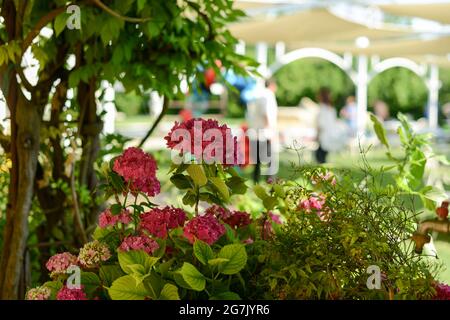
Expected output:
{"points": [[71, 294], [158, 222], [93, 253], [141, 242], [199, 137], [59, 263], [235, 219], [442, 291], [138, 170], [206, 228], [219, 212], [39, 293], [107, 219]]}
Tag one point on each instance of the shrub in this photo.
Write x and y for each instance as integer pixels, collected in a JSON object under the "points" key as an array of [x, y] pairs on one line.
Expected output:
{"points": [[314, 239]]}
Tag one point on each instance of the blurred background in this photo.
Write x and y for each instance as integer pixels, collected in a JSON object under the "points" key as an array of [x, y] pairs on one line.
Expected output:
{"points": [[347, 57]]}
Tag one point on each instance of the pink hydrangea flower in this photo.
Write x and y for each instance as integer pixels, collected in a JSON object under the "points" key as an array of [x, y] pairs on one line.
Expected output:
{"points": [[71, 294], [313, 202], [139, 243], [139, 170], [442, 291], [206, 228], [107, 219], [317, 205], [39, 293], [59, 263], [275, 218], [93, 253], [158, 222], [198, 137]]}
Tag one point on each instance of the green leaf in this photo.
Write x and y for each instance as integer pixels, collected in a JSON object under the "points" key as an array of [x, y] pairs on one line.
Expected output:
{"points": [[260, 192], [126, 288], [101, 233], [228, 295], [379, 130], [109, 273], [197, 174], [116, 209], [217, 261], [435, 194], [203, 251], [237, 185], [269, 202], [60, 23], [129, 260], [181, 181], [90, 281], [140, 5], [221, 187], [169, 292], [193, 277], [237, 257]]}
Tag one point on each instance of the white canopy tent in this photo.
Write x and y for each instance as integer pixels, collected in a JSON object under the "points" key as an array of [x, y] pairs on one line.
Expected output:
{"points": [[320, 33]]}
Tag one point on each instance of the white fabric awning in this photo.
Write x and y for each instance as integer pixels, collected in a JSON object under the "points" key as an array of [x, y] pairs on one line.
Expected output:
{"points": [[439, 12], [308, 25]]}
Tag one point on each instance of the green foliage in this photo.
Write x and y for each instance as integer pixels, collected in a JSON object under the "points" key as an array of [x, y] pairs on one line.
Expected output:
{"points": [[304, 78], [401, 89], [410, 168], [325, 253]]}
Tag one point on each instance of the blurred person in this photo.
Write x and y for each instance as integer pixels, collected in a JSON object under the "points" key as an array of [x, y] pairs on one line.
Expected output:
{"points": [[381, 110], [446, 111], [332, 133], [349, 113], [262, 113]]}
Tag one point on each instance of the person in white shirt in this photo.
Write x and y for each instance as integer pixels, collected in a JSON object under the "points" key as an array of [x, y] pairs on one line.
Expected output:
{"points": [[262, 112], [326, 120]]}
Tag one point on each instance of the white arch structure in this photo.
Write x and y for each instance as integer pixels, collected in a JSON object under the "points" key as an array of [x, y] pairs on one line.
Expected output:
{"points": [[362, 76], [344, 63]]}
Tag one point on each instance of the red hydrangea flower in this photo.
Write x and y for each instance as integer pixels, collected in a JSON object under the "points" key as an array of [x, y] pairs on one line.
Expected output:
{"points": [[235, 219], [139, 243], [206, 228], [139, 170], [158, 221], [71, 294], [200, 138], [107, 219], [442, 291], [238, 219], [219, 212]]}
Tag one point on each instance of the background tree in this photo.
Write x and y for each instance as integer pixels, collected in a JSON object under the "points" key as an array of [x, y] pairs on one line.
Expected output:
{"points": [[143, 44]]}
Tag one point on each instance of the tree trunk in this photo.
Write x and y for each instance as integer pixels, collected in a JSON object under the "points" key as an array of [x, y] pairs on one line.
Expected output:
{"points": [[25, 127], [90, 128]]}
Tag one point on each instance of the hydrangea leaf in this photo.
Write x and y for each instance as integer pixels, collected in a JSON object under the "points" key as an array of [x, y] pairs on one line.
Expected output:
{"points": [[129, 260], [202, 251], [194, 278], [126, 288], [169, 292], [228, 295], [237, 257], [197, 174]]}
